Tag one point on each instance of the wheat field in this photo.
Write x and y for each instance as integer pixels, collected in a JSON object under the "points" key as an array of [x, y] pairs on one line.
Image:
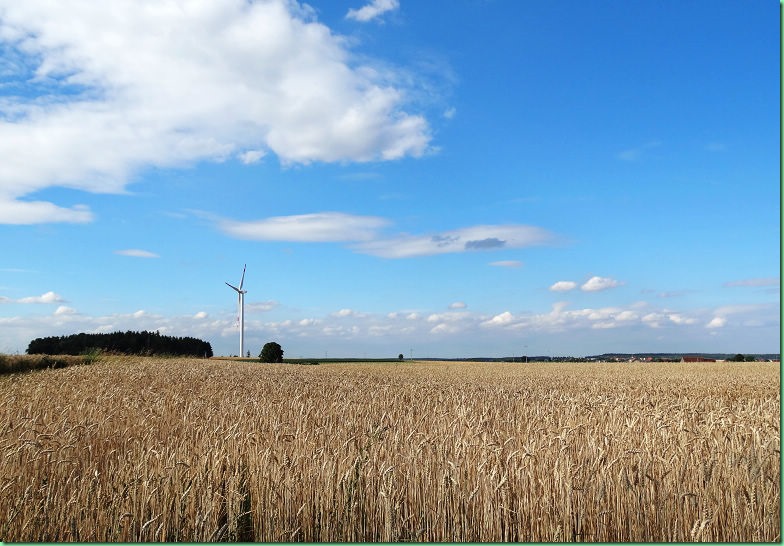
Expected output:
{"points": [[145, 449]]}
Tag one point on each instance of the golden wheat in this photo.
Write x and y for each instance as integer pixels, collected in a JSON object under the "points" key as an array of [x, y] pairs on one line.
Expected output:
{"points": [[143, 449]]}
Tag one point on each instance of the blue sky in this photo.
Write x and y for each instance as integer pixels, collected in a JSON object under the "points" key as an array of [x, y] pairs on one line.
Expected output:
{"points": [[449, 179]]}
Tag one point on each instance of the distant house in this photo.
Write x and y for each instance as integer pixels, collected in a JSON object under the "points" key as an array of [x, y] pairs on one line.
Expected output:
{"points": [[697, 359]]}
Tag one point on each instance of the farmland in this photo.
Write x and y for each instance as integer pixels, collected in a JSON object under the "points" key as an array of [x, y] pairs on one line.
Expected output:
{"points": [[145, 449]]}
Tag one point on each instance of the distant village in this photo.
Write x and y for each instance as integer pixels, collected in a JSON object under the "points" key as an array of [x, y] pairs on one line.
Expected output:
{"points": [[688, 358]]}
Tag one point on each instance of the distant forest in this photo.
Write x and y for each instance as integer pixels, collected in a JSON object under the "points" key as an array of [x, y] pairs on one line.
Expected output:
{"points": [[130, 343]]}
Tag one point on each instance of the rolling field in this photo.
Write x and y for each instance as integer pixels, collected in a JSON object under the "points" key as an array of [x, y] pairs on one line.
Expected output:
{"points": [[144, 449]]}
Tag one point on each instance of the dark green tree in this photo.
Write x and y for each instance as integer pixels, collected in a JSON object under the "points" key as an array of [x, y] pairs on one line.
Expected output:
{"points": [[271, 352], [738, 358], [135, 343], [400, 356]]}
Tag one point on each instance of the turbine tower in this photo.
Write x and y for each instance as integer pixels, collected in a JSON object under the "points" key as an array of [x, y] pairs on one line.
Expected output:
{"points": [[241, 293]]}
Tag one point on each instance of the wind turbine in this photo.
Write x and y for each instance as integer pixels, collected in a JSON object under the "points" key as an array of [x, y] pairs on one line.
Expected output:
{"points": [[241, 293]]}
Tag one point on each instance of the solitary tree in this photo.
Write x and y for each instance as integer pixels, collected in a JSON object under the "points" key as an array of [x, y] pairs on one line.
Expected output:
{"points": [[400, 356], [271, 352]]}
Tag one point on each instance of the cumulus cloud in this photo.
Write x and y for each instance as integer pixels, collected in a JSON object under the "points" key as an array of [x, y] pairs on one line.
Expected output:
{"points": [[317, 227], [595, 284], [627, 315], [136, 253], [48, 297], [252, 156], [717, 322], [371, 11], [346, 313], [560, 319], [118, 87], [499, 320], [405, 328], [563, 286], [445, 328], [677, 318]]}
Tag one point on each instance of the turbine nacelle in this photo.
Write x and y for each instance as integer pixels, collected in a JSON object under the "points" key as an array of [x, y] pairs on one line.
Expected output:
{"points": [[242, 280], [237, 289]]}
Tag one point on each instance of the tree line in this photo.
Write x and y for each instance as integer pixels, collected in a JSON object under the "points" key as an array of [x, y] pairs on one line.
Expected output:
{"points": [[132, 343]]}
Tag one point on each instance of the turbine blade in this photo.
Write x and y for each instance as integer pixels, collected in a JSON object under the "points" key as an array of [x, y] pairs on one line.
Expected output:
{"points": [[243, 275], [233, 287]]}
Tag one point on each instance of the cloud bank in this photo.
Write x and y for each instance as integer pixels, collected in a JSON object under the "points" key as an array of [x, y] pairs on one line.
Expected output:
{"points": [[348, 329], [99, 91]]}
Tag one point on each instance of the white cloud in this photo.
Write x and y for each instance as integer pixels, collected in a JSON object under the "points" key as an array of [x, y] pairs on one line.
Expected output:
{"points": [[48, 297], [717, 322], [364, 232], [507, 263], [126, 85], [628, 315], [36, 212], [443, 332], [560, 319], [563, 286], [677, 318], [136, 253], [317, 227], [499, 320], [460, 240], [595, 284], [449, 316], [64, 310], [345, 313], [457, 305], [653, 320], [374, 9], [252, 156], [445, 328]]}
